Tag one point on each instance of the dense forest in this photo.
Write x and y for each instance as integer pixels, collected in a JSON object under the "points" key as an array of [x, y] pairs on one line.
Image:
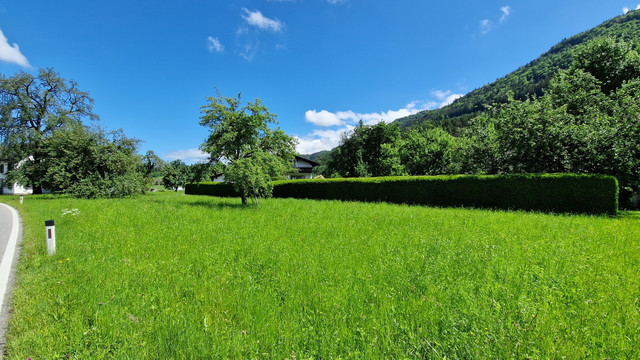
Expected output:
{"points": [[529, 80], [586, 119]]}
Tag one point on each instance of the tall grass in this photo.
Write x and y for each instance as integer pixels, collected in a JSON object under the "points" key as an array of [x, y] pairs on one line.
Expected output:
{"points": [[169, 276]]}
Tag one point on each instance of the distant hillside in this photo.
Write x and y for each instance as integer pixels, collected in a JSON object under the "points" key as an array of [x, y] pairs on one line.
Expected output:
{"points": [[316, 156], [528, 80]]}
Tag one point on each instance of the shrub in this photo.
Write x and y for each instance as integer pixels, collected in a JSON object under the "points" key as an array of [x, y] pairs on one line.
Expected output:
{"points": [[211, 189], [591, 194], [563, 193]]}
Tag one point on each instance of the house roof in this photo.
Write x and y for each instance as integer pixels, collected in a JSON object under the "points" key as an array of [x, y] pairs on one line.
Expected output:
{"points": [[313, 163]]}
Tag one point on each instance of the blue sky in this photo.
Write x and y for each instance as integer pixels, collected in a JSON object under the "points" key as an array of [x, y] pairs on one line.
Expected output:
{"points": [[320, 65]]}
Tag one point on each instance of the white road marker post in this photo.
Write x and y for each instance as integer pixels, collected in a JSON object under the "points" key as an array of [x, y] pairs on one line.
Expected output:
{"points": [[50, 229], [21, 199]]}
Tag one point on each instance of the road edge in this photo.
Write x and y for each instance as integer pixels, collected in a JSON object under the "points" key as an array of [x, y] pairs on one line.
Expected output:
{"points": [[7, 274]]}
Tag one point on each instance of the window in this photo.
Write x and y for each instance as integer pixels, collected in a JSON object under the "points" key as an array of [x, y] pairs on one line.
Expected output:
{"points": [[1, 168]]}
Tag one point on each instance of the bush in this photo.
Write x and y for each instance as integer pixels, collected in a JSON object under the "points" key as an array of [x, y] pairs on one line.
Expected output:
{"points": [[563, 193], [591, 194], [211, 189]]}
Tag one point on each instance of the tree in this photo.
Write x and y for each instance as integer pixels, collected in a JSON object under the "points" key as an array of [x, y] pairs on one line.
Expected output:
{"points": [[240, 136], [176, 175], [88, 163], [31, 109], [367, 151], [252, 176], [200, 172], [429, 151], [150, 163], [610, 61]]}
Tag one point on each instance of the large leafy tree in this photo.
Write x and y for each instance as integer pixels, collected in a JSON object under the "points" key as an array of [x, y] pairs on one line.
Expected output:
{"points": [[31, 109], [240, 135], [89, 163]]}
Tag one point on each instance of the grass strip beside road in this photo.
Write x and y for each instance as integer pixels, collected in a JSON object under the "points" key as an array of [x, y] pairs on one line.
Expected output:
{"points": [[173, 276]]}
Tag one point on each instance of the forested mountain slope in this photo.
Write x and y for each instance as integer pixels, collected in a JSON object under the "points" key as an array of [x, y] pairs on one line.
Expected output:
{"points": [[528, 80]]}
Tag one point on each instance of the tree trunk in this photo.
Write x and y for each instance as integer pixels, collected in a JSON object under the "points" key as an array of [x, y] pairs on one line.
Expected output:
{"points": [[244, 199]]}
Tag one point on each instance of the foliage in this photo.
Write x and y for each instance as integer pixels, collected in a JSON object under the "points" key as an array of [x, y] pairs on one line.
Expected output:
{"points": [[584, 123], [176, 175], [200, 172], [241, 137], [218, 189], [31, 109], [151, 164], [320, 279], [592, 194], [361, 153], [86, 163], [429, 151], [252, 176]]}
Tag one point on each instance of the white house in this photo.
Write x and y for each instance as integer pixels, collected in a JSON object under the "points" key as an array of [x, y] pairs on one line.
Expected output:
{"points": [[304, 168], [8, 188]]}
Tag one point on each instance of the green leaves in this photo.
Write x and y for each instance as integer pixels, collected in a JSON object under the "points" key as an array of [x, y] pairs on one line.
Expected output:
{"points": [[241, 137], [88, 163], [32, 108]]}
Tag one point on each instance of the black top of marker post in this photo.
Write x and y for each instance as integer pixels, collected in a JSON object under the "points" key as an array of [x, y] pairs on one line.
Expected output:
{"points": [[48, 223]]}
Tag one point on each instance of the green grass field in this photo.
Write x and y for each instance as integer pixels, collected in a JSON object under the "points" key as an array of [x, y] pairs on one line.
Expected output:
{"points": [[173, 276]]}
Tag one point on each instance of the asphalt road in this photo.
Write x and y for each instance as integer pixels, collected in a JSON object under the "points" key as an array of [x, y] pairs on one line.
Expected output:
{"points": [[10, 236]]}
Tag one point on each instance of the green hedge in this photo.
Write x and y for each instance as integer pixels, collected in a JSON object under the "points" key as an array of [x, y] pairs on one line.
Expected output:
{"points": [[572, 193], [212, 189]]}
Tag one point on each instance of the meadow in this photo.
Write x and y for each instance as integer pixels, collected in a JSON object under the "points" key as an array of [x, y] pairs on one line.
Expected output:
{"points": [[173, 276]]}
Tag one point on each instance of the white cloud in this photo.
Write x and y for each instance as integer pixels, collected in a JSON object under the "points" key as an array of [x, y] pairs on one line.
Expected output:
{"points": [[506, 11], [485, 26], [214, 45], [326, 118], [446, 97], [626, 9], [255, 18], [11, 53], [189, 156], [322, 118], [320, 140]]}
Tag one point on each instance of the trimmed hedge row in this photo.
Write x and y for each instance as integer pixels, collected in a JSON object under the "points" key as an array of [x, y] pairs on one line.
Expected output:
{"points": [[212, 189], [573, 193]]}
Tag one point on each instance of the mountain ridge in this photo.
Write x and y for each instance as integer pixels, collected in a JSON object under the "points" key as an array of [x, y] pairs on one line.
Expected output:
{"points": [[527, 81]]}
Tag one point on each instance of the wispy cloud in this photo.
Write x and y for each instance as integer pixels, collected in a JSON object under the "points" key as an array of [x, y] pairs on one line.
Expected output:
{"points": [[485, 26], [11, 53], [250, 48], [214, 45], [189, 156], [255, 18], [446, 97], [626, 9], [506, 11]]}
